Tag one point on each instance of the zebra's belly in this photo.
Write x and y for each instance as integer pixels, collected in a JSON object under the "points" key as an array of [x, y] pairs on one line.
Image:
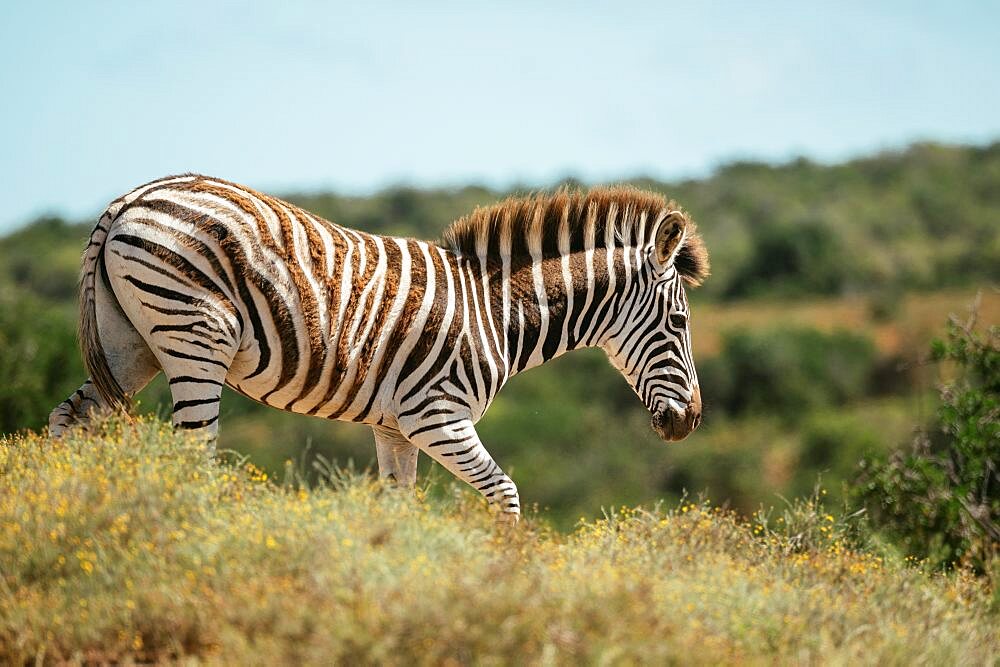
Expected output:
{"points": [[324, 387]]}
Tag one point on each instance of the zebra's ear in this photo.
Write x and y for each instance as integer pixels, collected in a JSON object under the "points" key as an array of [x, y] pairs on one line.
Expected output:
{"points": [[669, 237]]}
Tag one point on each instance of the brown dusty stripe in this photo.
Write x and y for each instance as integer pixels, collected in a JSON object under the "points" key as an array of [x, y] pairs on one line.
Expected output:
{"points": [[141, 199], [435, 319], [308, 303], [403, 324], [339, 259], [457, 324], [480, 319], [367, 352], [200, 221], [360, 280], [243, 200]]}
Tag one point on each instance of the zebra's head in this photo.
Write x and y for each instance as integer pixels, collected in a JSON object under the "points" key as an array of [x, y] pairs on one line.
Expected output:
{"points": [[651, 342]]}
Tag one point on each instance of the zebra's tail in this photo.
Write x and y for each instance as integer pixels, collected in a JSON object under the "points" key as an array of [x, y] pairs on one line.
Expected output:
{"points": [[94, 357]]}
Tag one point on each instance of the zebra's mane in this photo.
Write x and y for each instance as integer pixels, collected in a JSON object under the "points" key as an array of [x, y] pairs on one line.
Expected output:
{"points": [[538, 218]]}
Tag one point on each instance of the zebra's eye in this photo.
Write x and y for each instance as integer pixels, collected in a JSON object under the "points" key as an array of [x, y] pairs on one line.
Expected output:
{"points": [[678, 321]]}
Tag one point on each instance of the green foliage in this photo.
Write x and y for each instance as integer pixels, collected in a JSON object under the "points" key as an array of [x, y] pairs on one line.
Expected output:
{"points": [[916, 219], [787, 371], [39, 359], [180, 558], [757, 460], [834, 444], [940, 497], [44, 258], [804, 257]]}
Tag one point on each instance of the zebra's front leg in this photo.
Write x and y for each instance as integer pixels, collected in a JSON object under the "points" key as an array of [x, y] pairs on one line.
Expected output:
{"points": [[397, 456], [457, 447]]}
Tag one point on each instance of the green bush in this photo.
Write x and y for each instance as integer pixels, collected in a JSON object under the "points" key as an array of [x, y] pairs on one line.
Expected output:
{"points": [[44, 258], [940, 497], [802, 257], [39, 359], [832, 445], [787, 371]]}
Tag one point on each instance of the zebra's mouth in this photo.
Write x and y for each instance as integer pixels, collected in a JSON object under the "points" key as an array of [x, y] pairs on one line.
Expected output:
{"points": [[672, 427], [677, 421]]}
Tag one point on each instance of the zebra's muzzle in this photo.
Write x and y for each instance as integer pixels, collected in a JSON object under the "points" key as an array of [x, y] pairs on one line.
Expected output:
{"points": [[674, 424]]}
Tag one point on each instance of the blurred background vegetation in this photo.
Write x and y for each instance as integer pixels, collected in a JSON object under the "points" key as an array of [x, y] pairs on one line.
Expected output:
{"points": [[829, 284]]}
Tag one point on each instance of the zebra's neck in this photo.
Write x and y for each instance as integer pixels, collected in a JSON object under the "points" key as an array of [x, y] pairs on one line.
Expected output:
{"points": [[545, 308]]}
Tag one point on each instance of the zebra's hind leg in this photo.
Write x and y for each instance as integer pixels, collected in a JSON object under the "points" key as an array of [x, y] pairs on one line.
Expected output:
{"points": [[196, 369], [195, 348], [185, 317], [196, 361], [130, 362], [76, 409], [129, 359], [397, 456], [133, 371], [196, 404]]}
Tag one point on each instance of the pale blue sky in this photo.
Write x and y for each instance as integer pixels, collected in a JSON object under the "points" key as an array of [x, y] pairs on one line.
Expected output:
{"points": [[96, 97]]}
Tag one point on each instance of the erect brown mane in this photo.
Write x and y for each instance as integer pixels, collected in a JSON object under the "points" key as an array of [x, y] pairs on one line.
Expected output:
{"points": [[538, 218]]}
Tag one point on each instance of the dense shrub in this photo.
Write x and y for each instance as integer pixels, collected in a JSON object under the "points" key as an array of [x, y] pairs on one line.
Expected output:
{"points": [[803, 257], [44, 258], [940, 497], [833, 446], [39, 359], [787, 371]]}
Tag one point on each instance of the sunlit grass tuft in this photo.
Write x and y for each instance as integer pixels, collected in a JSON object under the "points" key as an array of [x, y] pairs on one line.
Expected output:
{"points": [[131, 544]]}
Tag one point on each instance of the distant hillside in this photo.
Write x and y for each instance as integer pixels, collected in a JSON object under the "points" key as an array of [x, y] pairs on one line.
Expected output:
{"points": [[917, 219]]}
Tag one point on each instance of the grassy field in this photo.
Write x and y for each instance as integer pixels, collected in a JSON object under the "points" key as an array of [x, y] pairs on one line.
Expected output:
{"points": [[130, 544]]}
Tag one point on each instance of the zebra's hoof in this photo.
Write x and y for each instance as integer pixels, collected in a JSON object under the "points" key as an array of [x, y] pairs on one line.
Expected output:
{"points": [[507, 519]]}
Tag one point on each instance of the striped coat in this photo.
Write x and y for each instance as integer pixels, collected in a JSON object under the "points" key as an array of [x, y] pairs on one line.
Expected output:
{"points": [[215, 284]]}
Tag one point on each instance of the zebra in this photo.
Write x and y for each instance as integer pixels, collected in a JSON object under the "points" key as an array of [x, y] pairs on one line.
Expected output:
{"points": [[216, 284]]}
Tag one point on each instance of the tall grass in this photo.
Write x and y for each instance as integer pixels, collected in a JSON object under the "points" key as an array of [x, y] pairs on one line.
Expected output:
{"points": [[130, 544]]}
